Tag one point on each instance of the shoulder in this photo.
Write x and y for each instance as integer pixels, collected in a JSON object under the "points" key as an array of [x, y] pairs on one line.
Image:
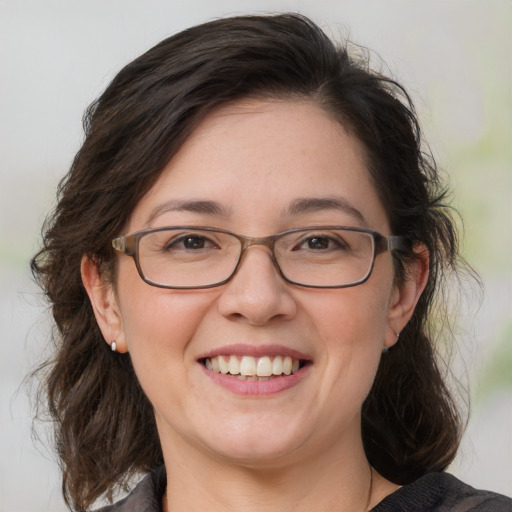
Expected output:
{"points": [[442, 492], [145, 497]]}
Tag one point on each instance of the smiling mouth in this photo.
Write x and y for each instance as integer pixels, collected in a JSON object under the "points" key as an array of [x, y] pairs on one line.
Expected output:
{"points": [[254, 368]]}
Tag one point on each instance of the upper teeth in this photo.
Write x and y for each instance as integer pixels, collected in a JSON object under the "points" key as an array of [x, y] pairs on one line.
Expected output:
{"points": [[265, 366]]}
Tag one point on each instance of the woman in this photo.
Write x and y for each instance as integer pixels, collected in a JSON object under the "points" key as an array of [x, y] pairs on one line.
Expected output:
{"points": [[242, 266]]}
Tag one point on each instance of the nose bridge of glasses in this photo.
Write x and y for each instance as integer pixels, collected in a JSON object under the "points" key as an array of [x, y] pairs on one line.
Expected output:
{"points": [[267, 242]]}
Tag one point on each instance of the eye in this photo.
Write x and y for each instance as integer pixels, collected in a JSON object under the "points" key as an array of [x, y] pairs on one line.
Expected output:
{"points": [[190, 242], [318, 242], [194, 242], [321, 242]]}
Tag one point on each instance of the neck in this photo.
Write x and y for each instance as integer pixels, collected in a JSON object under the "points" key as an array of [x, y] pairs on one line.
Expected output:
{"points": [[333, 481]]}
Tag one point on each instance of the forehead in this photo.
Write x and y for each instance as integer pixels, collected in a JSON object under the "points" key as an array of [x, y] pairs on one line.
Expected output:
{"points": [[261, 156]]}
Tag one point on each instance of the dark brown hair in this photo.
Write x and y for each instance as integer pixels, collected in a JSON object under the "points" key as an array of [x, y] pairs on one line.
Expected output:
{"points": [[104, 424]]}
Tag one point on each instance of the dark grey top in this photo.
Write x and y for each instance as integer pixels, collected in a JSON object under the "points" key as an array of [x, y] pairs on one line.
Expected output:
{"points": [[434, 492]]}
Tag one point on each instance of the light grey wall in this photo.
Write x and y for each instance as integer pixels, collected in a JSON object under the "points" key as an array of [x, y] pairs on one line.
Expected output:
{"points": [[56, 56]]}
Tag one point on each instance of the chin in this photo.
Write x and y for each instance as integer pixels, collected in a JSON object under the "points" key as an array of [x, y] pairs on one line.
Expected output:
{"points": [[256, 457], [255, 445]]}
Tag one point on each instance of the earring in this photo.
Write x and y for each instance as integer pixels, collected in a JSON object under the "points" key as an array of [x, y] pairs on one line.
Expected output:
{"points": [[113, 346], [385, 350]]}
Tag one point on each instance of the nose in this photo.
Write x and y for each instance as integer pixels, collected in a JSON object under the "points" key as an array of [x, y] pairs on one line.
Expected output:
{"points": [[257, 293]]}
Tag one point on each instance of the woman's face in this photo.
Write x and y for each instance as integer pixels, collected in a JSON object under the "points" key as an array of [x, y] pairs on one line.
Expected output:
{"points": [[245, 169]]}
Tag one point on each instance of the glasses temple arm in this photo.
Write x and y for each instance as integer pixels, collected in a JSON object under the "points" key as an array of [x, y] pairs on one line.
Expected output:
{"points": [[396, 243]]}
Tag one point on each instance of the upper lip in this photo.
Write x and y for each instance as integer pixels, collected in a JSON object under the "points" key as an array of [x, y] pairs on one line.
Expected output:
{"points": [[240, 349]]}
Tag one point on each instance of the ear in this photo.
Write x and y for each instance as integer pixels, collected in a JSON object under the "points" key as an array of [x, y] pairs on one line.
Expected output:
{"points": [[104, 304], [405, 295]]}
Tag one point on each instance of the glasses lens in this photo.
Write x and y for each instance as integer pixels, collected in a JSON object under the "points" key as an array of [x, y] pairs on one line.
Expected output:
{"points": [[325, 257], [188, 257]]}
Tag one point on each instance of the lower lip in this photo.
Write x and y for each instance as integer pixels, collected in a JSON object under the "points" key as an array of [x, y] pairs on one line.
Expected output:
{"points": [[256, 388]]}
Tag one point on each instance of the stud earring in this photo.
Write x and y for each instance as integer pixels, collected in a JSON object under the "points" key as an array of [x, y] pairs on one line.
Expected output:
{"points": [[113, 346]]}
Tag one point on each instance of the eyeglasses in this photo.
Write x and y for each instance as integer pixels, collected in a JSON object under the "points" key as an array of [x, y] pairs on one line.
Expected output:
{"points": [[189, 257]]}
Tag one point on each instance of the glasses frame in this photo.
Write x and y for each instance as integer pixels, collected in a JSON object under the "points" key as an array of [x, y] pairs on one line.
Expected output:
{"points": [[129, 245]]}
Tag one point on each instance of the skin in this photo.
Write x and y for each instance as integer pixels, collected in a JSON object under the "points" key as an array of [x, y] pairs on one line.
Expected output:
{"points": [[301, 448]]}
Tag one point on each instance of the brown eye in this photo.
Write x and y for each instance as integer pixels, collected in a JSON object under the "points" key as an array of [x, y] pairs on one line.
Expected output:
{"points": [[321, 243], [190, 242], [194, 242], [318, 242]]}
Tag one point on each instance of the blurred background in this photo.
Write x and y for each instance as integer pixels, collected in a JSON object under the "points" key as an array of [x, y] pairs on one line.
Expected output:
{"points": [[455, 58]]}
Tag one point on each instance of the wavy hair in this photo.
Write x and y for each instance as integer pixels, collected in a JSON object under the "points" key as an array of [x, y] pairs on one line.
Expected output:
{"points": [[104, 425]]}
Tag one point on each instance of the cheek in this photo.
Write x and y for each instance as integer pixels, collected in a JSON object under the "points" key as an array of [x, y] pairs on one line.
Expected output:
{"points": [[158, 324], [353, 317], [351, 324]]}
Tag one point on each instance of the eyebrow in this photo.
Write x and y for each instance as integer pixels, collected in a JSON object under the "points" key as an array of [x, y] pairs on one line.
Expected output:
{"points": [[195, 206], [297, 207], [315, 204]]}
